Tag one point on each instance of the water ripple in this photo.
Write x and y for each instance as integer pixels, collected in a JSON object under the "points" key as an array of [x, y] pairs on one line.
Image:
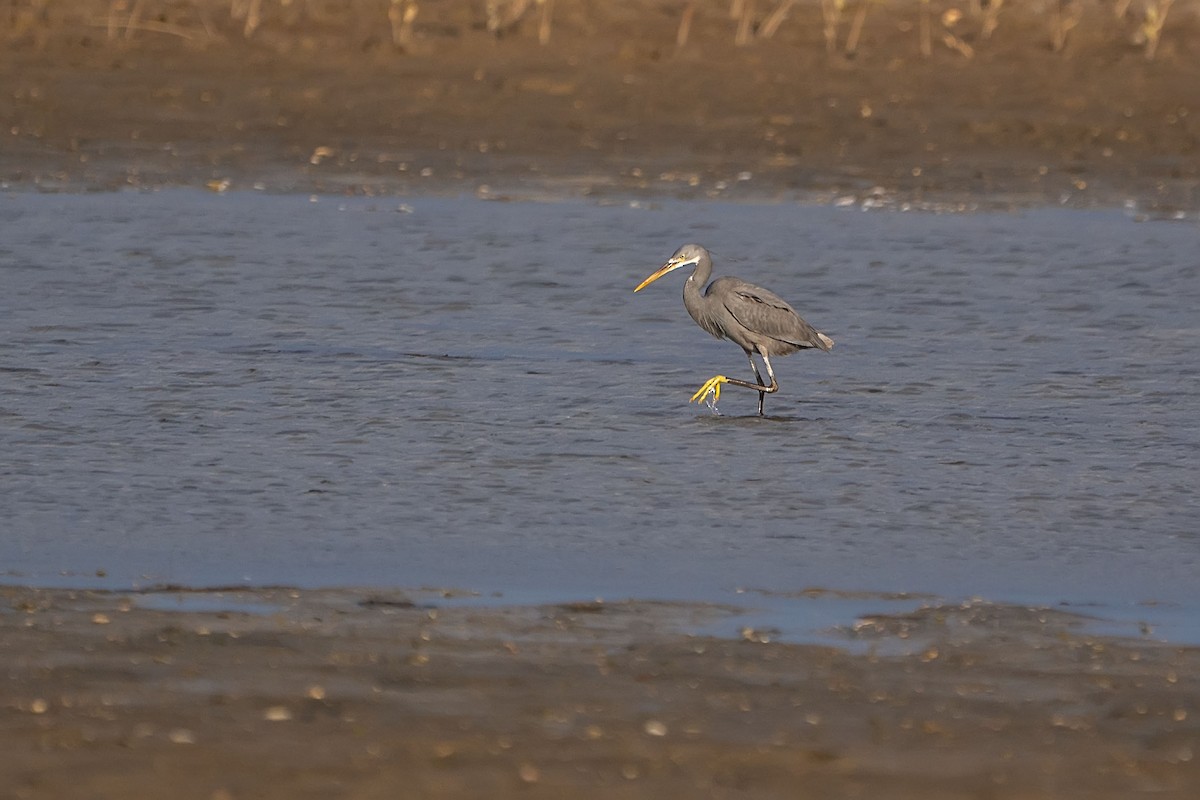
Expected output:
{"points": [[211, 389]]}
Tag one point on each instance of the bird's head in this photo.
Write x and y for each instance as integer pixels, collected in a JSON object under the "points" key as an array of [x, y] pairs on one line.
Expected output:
{"points": [[686, 256]]}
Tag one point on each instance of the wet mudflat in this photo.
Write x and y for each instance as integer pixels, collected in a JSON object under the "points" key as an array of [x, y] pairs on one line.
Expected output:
{"points": [[391, 694]]}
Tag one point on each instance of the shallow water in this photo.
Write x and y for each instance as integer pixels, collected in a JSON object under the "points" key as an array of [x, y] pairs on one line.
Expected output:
{"points": [[223, 389]]}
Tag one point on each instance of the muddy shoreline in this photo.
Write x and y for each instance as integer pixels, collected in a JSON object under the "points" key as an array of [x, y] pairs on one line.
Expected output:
{"points": [[359, 693], [320, 97]]}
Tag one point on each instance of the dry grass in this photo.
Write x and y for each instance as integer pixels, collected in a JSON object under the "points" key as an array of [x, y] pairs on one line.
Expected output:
{"points": [[965, 27]]}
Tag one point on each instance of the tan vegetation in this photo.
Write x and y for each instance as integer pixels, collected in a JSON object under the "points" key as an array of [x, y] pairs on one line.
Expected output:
{"points": [[746, 21], [1093, 101]]}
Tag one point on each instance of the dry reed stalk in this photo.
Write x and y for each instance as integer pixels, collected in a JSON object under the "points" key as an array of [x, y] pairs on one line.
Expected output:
{"points": [[401, 15], [253, 19], [856, 26], [544, 23], [113, 8], [1152, 24], [131, 24], [991, 18], [210, 29], [503, 15], [950, 18], [1065, 15], [831, 13], [958, 45], [239, 9], [745, 24], [685, 25], [248, 10], [775, 19], [926, 35], [152, 26]]}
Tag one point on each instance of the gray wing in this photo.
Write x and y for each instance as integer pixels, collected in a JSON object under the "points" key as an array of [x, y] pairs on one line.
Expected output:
{"points": [[764, 312]]}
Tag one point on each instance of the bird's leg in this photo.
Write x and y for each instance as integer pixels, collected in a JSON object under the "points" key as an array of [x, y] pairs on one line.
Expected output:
{"points": [[714, 385], [757, 377], [774, 383]]}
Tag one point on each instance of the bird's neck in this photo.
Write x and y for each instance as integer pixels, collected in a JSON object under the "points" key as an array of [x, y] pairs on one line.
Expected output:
{"points": [[693, 294], [700, 275]]}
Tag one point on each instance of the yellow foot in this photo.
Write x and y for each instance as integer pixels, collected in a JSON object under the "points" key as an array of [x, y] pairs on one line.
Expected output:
{"points": [[712, 385]]}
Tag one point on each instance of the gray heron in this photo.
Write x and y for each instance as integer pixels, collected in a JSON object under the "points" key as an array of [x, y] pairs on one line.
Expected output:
{"points": [[755, 319]]}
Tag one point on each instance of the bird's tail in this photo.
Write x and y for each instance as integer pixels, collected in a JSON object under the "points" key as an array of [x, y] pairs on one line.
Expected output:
{"points": [[826, 342]]}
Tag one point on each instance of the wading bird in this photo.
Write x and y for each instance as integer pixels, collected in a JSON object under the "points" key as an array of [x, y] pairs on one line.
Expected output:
{"points": [[757, 320]]}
